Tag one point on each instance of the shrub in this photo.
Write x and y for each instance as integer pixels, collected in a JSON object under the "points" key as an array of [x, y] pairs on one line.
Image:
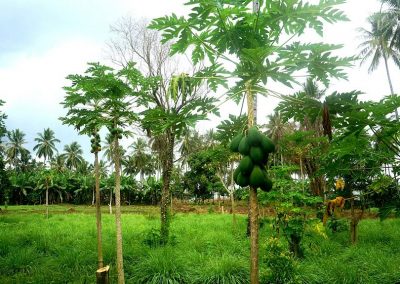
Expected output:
{"points": [[280, 262]]}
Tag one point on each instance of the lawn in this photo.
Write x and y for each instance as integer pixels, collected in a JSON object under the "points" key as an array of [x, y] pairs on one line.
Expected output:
{"points": [[205, 249]]}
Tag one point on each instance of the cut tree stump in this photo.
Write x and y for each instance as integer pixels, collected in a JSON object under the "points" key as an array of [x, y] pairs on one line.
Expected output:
{"points": [[102, 275]]}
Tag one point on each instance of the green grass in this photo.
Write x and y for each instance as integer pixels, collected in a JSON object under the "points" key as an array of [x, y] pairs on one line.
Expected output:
{"points": [[62, 249]]}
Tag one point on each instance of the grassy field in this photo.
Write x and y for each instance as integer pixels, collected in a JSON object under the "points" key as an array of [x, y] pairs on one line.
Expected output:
{"points": [[205, 249]]}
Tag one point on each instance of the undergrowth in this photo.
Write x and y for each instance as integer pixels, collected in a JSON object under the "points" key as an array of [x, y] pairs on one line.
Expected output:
{"points": [[206, 249]]}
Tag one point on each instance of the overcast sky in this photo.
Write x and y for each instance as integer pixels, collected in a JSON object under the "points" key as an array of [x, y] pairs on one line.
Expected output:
{"points": [[42, 41]]}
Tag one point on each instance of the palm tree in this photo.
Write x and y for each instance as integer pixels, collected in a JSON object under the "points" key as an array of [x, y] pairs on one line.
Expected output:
{"points": [[390, 19], [191, 142], [277, 128], [73, 155], [377, 45], [103, 171], [15, 149], [109, 149], [45, 144], [58, 163], [141, 158], [157, 145]]}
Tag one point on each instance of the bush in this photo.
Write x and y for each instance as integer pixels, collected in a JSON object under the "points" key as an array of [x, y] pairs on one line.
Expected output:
{"points": [[338, 225], [280, 262], [152, 238]]}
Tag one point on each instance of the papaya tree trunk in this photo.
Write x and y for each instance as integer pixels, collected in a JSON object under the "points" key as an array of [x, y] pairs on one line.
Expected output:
{"points": [[253, 202], [120, 265], [98, 211], [167, 162], [232, 197]]}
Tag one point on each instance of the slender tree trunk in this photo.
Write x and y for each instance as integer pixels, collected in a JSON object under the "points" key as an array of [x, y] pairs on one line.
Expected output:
{"points": [[110, 203], [231, 192], [253, 203], [47, 199], [390, 82], [301, 173], [120, 264], [168, 159], [98, 211], [355, 220]]}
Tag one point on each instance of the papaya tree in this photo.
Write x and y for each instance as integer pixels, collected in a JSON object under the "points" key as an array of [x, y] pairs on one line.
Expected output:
{"points": [[168, 115], [260, 47], [83, 104], [103, 98]]}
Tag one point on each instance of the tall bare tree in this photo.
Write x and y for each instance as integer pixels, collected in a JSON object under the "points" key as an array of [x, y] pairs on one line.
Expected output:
{"points": [[176, 102]]}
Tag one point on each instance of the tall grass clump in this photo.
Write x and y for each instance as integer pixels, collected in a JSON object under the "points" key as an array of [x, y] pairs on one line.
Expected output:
{"points": [[161, 266], [224, 269]]}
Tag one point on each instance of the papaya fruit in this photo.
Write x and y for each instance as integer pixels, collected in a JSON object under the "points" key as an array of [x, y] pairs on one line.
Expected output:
{"points": [[114, 131], [265, 159], [254, 137], [267, 145], [234, 145], [244, 147], [120, 136], [257, 177], [235, 174], [242, 180], [256, 155], [267, 186], [246, 165]]}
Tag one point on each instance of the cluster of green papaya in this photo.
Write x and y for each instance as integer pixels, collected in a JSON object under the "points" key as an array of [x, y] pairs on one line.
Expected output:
{"points": [[255, 149], [95, 141], [116, 132]]}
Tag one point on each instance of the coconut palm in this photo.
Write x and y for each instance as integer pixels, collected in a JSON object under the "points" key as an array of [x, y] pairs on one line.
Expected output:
{"points": [[277, 127], [377, 46], [191, 142], [390, 19], [103, 171], [141, 159], [58, 163], [15, 149], [157, 145], [45, 146], [73, 155], [109, 149]]}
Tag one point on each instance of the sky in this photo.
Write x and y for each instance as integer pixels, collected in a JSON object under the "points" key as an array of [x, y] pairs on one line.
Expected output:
{"points": [[43, 41]]}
